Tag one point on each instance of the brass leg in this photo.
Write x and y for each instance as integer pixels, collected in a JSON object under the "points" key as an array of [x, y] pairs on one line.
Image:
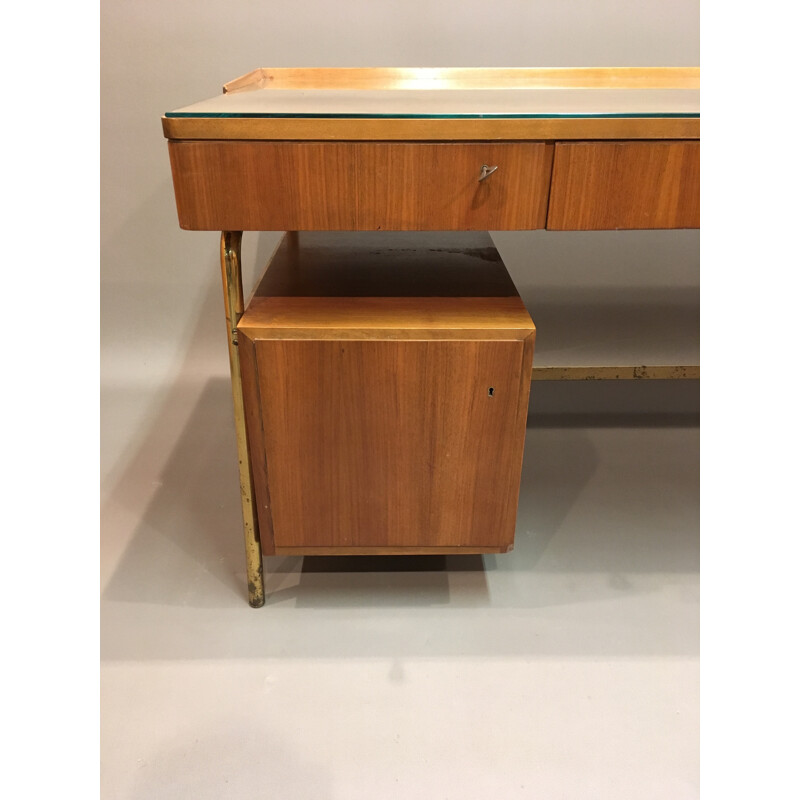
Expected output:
{"points": [[230, 255]]}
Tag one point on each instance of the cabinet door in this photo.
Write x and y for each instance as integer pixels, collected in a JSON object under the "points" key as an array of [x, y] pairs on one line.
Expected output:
{"points": [[393, 444], [360, 185], [625, 185]]}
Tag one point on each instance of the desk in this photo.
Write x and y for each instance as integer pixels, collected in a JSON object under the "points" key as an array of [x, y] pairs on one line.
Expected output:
{"points": [[433, 149]]}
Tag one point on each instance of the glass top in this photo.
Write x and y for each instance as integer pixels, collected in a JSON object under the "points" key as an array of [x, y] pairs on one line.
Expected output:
{"points": [[489, 103]]}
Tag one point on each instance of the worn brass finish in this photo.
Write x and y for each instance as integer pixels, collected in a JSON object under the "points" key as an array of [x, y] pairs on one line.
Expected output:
{"points": [[230, 256], [672, 372]]}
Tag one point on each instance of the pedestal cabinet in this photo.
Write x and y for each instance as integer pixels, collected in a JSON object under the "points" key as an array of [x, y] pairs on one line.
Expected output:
{"points": [[386, 381]]}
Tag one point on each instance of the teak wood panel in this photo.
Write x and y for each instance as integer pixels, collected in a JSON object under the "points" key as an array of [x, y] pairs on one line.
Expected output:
{"points": [[359, 185], [387, 551], [625, 185], [392, 443], [484, 129], [386, 264], [387, 318]]}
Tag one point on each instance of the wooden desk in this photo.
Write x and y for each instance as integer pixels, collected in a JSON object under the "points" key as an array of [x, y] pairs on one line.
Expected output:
{"points": [[434, 149]]}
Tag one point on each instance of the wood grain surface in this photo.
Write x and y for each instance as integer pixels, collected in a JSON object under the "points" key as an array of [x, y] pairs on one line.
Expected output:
{"points": [[625, 185], [386, 264], [487, 129], [359, 185], [393, 443]]}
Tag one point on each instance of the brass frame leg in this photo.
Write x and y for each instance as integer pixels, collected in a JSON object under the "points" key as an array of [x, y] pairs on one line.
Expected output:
{"points": [[230, 257]]}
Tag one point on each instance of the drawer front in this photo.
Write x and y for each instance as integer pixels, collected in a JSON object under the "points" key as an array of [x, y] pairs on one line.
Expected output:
{"points": [[391, 443], [625, 185], [360, 185]]}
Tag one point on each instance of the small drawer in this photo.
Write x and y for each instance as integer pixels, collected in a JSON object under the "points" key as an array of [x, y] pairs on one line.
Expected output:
{"points": [[242, 185], [625, 185]]}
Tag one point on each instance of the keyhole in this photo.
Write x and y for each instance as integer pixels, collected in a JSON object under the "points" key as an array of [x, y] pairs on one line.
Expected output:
{"points": [[491, 391]]}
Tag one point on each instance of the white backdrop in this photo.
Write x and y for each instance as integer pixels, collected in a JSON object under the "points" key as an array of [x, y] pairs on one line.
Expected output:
{"points": [[583, 676]]}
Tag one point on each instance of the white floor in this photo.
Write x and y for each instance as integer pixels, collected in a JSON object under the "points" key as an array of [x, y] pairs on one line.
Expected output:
{"points": [[566, 669]]}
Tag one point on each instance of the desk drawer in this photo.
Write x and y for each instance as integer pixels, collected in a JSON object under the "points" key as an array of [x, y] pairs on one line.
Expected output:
{"points": [[624, 185], [360, 185]]}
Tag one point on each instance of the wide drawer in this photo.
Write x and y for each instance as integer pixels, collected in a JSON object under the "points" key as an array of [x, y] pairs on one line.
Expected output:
{"points": [[625, 185], [241, 185]]}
